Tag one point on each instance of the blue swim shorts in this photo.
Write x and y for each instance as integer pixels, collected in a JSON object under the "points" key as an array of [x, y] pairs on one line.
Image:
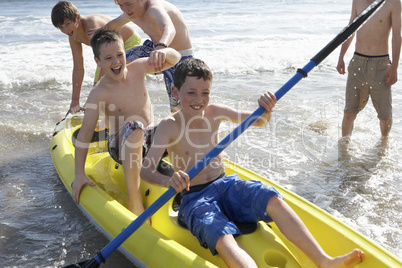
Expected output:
{"points": [[213, 211]]}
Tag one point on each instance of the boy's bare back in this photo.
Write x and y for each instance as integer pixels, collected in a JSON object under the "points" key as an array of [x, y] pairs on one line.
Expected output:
{"points": [[96, 21]]}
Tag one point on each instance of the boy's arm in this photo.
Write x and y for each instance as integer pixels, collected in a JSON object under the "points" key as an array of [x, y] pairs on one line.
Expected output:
{"points": [[165, 24], [81, 148], [179, 180], [114, 24], [392, 74], [344, 48], [118, 22], [162, 59], [78, 74], [266, 100], [154, 155]]}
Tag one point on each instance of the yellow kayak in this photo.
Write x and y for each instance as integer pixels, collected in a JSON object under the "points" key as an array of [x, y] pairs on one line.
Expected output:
{"points": [[167, 242]]}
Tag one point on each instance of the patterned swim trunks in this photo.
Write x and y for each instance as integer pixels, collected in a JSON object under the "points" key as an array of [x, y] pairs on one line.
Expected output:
{"points": [[116, 141]]}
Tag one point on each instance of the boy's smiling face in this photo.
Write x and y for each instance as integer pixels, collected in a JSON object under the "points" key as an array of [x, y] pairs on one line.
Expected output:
{"points": [[133, 8], [112, 59], [193, 95], [69, 26]]}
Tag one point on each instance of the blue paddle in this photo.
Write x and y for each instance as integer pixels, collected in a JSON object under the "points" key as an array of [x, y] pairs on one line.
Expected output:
{"points": [[339, 39]]}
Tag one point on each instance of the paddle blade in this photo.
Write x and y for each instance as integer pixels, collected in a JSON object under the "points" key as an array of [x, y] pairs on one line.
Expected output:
{"points": [[92, 263]]}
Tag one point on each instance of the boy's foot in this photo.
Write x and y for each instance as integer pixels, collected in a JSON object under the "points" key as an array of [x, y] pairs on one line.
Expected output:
{"points": [[348, 260]]}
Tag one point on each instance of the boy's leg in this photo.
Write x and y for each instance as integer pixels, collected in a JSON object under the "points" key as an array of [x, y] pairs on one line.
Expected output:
{"points": [[356, 93], [132, 161], [294, 229], [385, 126], [348, 123], [232, 253]]}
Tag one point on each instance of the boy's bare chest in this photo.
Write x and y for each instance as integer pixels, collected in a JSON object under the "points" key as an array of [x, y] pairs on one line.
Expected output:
{"points": [[126, 102], [381, 18], [200, 138], [377, 28], [81, 37]]}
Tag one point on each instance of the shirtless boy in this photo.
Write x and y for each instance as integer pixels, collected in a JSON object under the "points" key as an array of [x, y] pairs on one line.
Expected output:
{"points": [[370, 70], [164, 24], [66, 17], [188, 135], [121, 95]]}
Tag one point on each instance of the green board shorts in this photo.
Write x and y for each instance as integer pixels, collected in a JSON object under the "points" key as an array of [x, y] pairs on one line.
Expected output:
{"points": [[366, 77]]}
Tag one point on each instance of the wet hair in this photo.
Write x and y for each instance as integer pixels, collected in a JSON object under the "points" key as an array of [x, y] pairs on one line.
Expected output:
{"points": [[191, 67], [63, 10], [104, 36]]}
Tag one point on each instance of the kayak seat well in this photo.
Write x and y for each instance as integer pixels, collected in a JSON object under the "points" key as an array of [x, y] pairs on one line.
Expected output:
{"points": [[102, 135]]}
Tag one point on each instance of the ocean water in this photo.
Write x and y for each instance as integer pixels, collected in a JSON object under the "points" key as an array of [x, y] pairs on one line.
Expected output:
{"points": [[251, 47]]}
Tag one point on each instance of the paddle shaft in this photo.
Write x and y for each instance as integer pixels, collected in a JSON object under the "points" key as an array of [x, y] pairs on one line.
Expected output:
{"points": [[329, 48]]}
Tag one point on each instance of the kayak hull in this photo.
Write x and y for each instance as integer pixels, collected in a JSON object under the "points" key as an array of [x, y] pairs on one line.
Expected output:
{"points": [[166, 241]]}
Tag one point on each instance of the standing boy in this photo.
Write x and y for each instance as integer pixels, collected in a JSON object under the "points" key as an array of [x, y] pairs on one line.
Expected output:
{"points": [[164, 24], [370, 70], [66, 17], [215, 201], [121, 95]]}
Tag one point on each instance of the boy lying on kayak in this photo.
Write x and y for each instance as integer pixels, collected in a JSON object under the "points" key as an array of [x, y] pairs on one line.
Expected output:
{"points": [[121, 95], [215, 201]]}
